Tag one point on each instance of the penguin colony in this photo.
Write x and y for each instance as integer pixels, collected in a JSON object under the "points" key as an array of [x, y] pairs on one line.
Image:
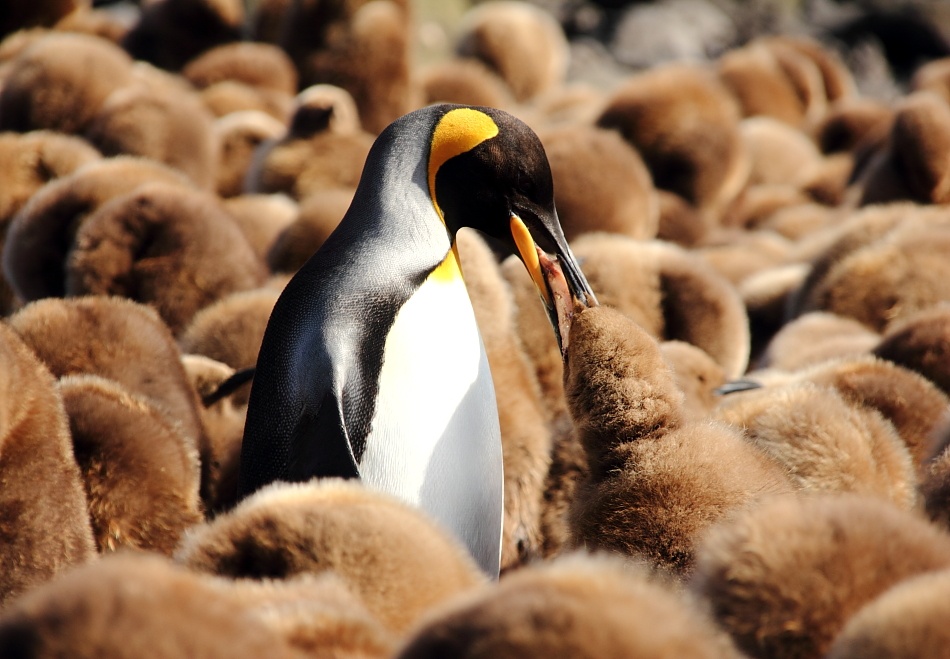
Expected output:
{"points": [[743, 450]]}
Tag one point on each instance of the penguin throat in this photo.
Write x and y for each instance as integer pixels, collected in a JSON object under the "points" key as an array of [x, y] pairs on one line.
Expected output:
{"points": [[448, 270]]}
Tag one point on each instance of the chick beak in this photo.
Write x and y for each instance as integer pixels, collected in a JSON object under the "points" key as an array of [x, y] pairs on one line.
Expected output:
{"points": [[559, 280]]}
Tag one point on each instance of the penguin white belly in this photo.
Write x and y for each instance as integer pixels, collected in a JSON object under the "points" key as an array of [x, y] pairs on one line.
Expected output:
{"points": [[435, 440]]}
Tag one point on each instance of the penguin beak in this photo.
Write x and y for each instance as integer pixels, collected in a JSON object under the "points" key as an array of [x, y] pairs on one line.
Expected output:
{"points": [[559, 280]]}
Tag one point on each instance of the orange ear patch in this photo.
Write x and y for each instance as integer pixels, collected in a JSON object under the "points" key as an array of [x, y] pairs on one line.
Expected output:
{"points": [[458, 131]]}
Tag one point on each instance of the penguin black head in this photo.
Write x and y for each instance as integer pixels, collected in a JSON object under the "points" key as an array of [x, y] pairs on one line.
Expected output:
{"points": [[488, 171]]}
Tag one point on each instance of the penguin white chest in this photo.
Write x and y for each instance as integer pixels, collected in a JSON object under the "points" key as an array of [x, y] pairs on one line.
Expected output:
{"points": [[435, 440]]}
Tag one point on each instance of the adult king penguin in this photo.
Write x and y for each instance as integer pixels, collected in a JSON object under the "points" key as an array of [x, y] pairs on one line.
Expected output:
{"points": [[371, 366]]}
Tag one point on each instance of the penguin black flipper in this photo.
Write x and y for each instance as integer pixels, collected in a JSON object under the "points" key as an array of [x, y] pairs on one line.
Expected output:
{"points": [[319, 446]]}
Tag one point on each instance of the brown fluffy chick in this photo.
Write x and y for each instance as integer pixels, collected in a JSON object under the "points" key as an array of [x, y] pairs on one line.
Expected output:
{"points": [[815, 337], [231, 330], [140, 474], [520, 42], [578, 606], [697, 375], [392, 556], [60, 82], [238, 136], [921, 343], [910, 164], [318, 217], [142, 605], [117, 339], [779, 153], [908, 620], [823, 442], [600, 183], [165, 123], [525, 437], [765, 295], [656, 481], [255, 64], [784, 577], [363, 47], [685, 125], [223, 98], [669, 292], [41, 234], [851, 122], [170, 33], [933, 76], [892, 278], [464, 81], [44, 526], [170, 247], [262, 218], [223, 423]]}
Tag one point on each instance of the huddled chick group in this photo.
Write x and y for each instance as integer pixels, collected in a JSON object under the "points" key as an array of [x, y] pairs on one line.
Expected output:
{"points": [[744, 452]]}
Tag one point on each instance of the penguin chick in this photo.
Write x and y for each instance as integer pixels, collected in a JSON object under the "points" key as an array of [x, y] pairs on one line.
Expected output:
{"points": [[759, 202], [172, 248], [136, 604], [697, 375], [920, 343], [908, 620], [171, 126], [41, 234], [679, 222], [392, 556], [223, 98], [230, 330], [784, 577], [238, 135], [262, 218], [851, 122], [44, 527], [685, 125], [824, 443], [816, 337], [47, 13], [578, 606], [656, 481], [464, 81], [60, 82], [171, 33], [140, 475], [765, 296], [324, 108], [372, 358], [520, 42], [600, 183], [525, 438], [116, 339], [255, 64], [778, 152], [933, 76], [320, 214], [909, 401], [738, 255], [223, 424]]}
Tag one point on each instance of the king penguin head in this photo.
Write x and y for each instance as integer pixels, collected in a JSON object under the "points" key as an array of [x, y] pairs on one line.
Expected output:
{"points": [[488, 171]]}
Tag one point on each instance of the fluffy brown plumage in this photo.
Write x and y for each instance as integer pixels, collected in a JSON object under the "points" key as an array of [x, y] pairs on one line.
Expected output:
{"points": [[600, 183], [140, 474], [525, 437], [522, 43], [685, 126], [582, 607], [41, 234], [908, 620], [319, 215], [255, 64], [230, 330], [223, 98], [238, 135], [921, 342], [851, 122], [262, 218], [697, 376], [814, 338], [173, 248], [397, 560], [60, 82], [168, 124], [656, 481], [824, 443], [46, 13], [44, 526], [779, 153], [117, 339], [783, 578], [464, 81], [765, 295]]}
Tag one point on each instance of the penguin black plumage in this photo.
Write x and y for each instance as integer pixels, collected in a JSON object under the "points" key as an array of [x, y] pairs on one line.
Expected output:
{"points": [[371, 366]]}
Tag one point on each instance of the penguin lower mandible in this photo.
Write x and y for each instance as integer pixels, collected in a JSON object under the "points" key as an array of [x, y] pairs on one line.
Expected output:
{"points": [[371, 366]]}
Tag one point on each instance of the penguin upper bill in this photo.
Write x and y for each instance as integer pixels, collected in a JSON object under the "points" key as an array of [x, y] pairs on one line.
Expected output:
{"points": [[488, 171]]}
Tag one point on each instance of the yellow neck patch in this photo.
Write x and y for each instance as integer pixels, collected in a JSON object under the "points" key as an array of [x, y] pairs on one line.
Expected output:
{"points": [[458, 131]]}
